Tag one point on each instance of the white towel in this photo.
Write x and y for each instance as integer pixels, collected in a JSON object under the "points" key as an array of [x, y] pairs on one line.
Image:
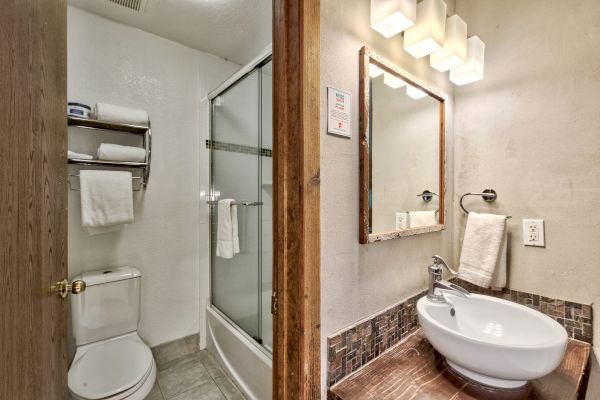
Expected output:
{"points": [[483, 256], [119, 114], [418, 219], [79, 156], [401, 221], [106, 200], [228, 243], [116, 152]]}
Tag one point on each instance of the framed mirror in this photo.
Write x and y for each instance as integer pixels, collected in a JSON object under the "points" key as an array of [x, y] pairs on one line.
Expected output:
{"points": [[402, 152]]}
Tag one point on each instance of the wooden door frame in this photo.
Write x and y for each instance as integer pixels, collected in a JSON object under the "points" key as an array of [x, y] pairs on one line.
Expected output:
{"points": [[296, 205]]}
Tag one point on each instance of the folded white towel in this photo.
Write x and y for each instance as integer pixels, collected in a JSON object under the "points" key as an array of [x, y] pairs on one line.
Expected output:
{"points": [[483, 256], [401, 221], [228, 243], [106, 200], [119, 114], [418, 219], [79, 156], [116, 152]]}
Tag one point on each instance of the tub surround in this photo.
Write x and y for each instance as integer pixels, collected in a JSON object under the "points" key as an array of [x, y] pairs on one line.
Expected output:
{"points": [[358, 344], [413, 369]]}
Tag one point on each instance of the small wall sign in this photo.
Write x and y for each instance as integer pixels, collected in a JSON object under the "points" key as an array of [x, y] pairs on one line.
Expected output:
{"points": [[339, 106]]}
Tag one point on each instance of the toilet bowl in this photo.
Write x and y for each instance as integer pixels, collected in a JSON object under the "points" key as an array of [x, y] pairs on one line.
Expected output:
{"points": [[111, 362]]}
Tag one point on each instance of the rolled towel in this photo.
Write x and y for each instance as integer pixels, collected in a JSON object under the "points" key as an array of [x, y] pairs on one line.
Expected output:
{"points": [[119, 114], [116, 152], [79, 156]]}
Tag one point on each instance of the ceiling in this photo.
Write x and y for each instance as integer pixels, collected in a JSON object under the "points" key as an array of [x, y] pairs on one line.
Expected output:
{"points": [[236, 30]]}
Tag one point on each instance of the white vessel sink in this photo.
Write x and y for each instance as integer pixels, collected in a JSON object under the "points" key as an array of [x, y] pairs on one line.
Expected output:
{"points": [[493, 341]]}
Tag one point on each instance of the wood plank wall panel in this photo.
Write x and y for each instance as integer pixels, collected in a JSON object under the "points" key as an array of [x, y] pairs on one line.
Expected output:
{"points": [[33, 202], [296, 155]]}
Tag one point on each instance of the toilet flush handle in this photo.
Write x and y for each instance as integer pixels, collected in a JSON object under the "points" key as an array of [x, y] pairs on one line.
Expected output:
{"points": [[63, 288]]}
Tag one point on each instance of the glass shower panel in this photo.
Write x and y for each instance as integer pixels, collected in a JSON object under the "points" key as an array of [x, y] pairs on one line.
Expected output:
{"points": [[235, 170], [267, 209]]}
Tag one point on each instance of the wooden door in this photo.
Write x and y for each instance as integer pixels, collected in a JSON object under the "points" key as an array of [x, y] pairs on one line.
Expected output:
{"points": [[33, 199]]}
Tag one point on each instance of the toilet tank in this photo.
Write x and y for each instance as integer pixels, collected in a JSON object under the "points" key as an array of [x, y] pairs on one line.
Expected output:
{"points": [[109, 306]]}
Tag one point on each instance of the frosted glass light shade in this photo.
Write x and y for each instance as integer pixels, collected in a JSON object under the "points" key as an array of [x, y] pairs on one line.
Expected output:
{"points": [[414, 92], [390, 17], [427, 35], [472, 70], [374, 71], [454, 52], [393, 81]]}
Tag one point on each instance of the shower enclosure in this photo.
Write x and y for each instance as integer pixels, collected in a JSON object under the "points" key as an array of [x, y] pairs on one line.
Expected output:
{"points": [[241, 169]]}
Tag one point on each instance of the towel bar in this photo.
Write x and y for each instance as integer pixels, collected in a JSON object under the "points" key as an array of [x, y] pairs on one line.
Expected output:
{"points": [[78, 176], [488, 195]]}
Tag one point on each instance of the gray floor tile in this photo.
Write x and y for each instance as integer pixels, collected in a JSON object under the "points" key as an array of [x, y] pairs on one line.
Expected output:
{"points": [[167, 352], [182, 375], [155, 393], [230, 391], [206, 391], [211, 365], [181, 360]]}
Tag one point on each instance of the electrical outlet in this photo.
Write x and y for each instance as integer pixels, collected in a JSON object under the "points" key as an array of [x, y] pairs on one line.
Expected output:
{"points": [[533, 233]]}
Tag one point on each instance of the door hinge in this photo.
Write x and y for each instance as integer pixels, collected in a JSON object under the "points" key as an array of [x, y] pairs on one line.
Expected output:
{"points": [[274, 304]]}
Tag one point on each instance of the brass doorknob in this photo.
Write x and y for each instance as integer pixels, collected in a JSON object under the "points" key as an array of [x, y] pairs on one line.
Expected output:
{"points": [[63, 288]]}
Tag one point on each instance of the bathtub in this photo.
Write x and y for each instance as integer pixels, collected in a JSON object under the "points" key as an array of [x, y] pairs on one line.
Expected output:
{"points": [[248, 365]]}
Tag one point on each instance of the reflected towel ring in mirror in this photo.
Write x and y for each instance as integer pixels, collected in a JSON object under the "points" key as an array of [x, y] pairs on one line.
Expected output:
{"points": [[427, 195]]}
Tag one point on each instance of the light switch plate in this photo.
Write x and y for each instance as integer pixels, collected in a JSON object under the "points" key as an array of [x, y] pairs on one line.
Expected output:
{"points": [[533, 233]]}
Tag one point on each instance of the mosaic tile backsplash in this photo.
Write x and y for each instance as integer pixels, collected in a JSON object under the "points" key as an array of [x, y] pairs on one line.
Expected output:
{"points": [[360, 343]]}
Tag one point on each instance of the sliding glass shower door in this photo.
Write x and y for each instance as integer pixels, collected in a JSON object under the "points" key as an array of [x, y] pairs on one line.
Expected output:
{"points": [[241, 170]]}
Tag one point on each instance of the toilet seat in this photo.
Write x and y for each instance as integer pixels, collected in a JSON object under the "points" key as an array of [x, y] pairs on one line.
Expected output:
{"points": [[112, 369]]}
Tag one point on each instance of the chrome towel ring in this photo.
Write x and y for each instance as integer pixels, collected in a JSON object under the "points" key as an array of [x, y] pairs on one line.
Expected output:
{"points": [[488, 195]]}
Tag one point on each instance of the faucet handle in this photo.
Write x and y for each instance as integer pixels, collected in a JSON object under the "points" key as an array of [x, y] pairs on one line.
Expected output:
{"points": [[438, 260]]}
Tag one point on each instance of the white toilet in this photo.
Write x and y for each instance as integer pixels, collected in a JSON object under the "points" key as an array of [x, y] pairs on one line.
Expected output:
{"points": [[112, 362]]}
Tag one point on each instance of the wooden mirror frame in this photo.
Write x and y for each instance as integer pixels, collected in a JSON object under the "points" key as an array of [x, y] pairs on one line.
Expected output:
{"points": [[368, 56]]}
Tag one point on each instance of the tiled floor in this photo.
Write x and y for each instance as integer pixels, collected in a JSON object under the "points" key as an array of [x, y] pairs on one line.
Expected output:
{"points": [[195, 376]]}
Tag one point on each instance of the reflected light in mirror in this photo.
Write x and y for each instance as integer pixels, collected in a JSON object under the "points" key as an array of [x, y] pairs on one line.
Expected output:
{"points": [[472, 70], [393, 81], [415, 93], [390, 17], [427, 35], [454, 52], [374, 71]]}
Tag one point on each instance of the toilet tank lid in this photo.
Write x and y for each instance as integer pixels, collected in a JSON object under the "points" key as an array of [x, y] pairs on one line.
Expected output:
{"points": [[108, 275]]}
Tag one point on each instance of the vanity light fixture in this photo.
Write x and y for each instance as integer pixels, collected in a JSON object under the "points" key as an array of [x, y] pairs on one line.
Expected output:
{"points": [[374, 71], [414, 92], [454, 52], [390, 17], [393, 81], [427, 35], [472, 70]]}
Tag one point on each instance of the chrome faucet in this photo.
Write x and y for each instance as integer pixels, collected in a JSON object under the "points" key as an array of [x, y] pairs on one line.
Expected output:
{"points": [[437, 285]]}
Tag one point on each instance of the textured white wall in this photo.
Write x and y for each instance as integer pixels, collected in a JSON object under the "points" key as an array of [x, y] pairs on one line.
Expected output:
{"points": [[359, 280], [110, 62], [531, 130]]}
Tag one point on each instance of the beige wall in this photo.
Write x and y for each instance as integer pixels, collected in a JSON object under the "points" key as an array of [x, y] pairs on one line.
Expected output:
{"points": [[531, 130], [359, 280]]}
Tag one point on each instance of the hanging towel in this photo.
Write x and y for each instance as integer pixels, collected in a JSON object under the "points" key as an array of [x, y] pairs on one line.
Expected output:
{"points": [[228, 243], [483, 256], [119, 114], [79, 156], [116, 152], [106, 200], [401, 221], [418, 219]]}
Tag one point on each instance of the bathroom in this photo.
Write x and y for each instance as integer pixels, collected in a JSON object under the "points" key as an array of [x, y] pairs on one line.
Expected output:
{"points": [[332, 289]]}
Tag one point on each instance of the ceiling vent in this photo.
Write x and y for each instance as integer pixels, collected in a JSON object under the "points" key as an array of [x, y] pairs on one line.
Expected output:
{"points": [[135, 5]]}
